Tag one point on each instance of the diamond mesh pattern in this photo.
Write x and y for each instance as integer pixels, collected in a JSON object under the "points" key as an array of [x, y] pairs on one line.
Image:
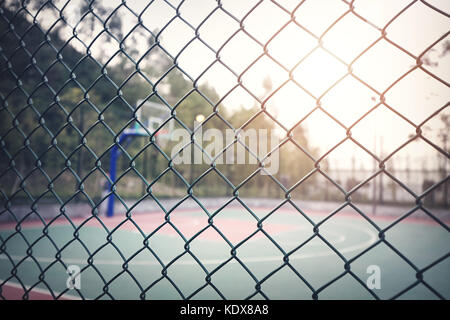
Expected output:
{"points": [[35, 115]]}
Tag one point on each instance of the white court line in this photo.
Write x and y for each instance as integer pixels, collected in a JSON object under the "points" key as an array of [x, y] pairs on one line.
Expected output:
{"points": [[372, 238], [340, 238], [39, 290]]}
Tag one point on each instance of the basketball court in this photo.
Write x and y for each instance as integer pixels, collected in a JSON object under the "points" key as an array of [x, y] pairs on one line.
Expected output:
{"points": [[185, 256]]}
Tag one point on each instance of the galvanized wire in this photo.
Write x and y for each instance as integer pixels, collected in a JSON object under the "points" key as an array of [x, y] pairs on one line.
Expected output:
{"points": [[8, 69]]}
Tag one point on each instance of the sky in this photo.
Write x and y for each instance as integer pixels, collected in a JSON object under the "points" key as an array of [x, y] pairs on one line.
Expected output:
{"points": [[416, 97]]}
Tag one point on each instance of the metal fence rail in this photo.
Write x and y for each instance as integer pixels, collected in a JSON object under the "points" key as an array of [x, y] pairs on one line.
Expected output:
{"points": [[24, 118]]}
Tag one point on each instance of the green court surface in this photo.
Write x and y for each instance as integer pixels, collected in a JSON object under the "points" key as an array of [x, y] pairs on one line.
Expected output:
{"points": [[127, 261]]}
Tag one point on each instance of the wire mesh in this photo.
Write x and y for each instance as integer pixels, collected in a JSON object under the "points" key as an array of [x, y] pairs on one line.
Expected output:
{"points": [[25, 113]]}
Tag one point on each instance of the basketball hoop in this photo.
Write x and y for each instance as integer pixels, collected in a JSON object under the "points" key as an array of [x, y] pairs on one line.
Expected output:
{"points": [[162, 136]]}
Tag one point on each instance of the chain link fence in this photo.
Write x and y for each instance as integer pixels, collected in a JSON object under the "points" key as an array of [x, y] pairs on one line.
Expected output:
{"points": [[67, 98]]}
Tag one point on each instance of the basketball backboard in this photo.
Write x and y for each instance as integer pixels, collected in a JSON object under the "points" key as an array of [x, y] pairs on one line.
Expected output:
{"points": [[152, 115]]}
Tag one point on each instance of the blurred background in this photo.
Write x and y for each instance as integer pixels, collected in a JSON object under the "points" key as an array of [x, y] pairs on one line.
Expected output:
{"points": [[72, 73]]}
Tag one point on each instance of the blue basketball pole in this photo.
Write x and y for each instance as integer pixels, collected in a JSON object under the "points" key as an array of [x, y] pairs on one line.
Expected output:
{"points": [[113, 166]]}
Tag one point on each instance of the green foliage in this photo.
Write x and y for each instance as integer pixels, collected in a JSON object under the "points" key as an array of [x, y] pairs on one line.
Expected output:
{"points": [[67, 111]]}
